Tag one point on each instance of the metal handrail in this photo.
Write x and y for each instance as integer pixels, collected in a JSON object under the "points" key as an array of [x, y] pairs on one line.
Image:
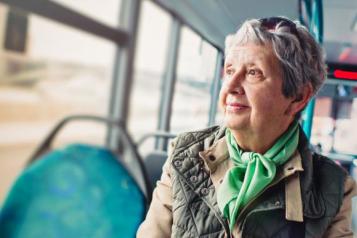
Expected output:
{"points": [[58, 12], [156, 134]]}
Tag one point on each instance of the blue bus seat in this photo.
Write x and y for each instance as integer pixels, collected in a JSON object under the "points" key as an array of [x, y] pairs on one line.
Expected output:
{"points": [[78, 191]]}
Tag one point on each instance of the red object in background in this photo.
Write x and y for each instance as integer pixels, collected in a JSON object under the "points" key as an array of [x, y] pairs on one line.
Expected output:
{"points": [[342, 74], [345, 54]]}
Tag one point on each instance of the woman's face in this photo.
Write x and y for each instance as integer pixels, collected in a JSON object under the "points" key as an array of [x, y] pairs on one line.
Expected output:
{"points": [[251, 95]]}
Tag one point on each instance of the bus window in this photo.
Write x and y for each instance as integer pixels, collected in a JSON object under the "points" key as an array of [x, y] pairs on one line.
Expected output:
{"points": [[195, 74], [334, 119], [62, 71], [149, 66], [345, 129], [322, 124], [106, 13]]}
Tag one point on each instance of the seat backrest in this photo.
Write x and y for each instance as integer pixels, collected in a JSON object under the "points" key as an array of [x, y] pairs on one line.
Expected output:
{"points": [[153, 164], [79, 191]]}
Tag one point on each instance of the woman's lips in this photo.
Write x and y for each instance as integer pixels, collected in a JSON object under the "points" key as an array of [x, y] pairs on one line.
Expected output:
{"points": [[235, 107]]}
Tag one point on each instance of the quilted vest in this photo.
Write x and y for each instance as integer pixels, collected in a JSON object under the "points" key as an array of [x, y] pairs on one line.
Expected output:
{"points": [[195, 209]]}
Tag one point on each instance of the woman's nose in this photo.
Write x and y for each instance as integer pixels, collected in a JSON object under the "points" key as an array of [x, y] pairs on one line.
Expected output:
{"points": [[234, 84]]}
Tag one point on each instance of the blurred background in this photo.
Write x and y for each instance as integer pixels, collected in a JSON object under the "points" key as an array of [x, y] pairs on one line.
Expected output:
{"points": [[50, 69]]}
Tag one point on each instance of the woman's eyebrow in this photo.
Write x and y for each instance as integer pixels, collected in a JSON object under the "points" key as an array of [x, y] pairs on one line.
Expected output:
{"points": [[226, 65]]}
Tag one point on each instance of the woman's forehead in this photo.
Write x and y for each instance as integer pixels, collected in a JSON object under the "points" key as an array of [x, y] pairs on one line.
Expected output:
{"points": [[250, 53]]}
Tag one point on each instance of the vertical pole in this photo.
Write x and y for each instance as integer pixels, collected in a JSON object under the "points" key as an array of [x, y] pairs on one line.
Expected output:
{"points": [[316, 28], [123, 71], [215, 89], [168, 83], [308, 118]]}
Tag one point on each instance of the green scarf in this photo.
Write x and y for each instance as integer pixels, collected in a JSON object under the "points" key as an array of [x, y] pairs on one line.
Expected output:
{"points": [[252, 172]]}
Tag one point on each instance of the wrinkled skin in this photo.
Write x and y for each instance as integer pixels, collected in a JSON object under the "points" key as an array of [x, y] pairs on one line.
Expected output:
{"points": [[251, 97]]}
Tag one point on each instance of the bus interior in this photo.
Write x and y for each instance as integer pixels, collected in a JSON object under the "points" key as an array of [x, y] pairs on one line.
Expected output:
{"points": [[120, 79]]}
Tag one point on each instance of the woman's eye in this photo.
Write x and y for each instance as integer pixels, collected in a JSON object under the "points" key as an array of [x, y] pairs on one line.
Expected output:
{"points": [[254, 73], [229, 72]]}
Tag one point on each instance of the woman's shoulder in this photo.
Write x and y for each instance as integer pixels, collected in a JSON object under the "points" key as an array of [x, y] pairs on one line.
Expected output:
{"points": [[328, 164], [196, 139], [195, 136]]}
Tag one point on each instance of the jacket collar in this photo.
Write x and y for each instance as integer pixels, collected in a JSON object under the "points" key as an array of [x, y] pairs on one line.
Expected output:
{"points": [[204, 178], [217, 162], [217, 155]]}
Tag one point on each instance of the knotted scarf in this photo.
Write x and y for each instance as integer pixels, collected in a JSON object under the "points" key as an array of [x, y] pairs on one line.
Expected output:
{"points": [[252, 172]]}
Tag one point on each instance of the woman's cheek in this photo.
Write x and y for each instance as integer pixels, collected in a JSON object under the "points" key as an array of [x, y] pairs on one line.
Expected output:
{"points": [[221, 99]]}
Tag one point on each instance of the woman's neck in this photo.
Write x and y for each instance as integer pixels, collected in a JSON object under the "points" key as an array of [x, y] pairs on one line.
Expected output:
{"points": [[258, 141]]}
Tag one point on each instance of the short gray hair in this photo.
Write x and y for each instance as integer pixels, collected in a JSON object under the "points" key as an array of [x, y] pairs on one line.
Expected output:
{"points": [[301, 57]]}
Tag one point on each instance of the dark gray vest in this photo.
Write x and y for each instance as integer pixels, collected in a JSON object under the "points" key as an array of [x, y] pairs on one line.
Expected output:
{"points": [[195, 210]]}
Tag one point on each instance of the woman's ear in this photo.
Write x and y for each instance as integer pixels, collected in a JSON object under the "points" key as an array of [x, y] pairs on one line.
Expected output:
{"points": [[301, 100]]}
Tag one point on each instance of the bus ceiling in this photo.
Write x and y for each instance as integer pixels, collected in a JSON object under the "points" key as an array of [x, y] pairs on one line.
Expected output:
{"points": [[213, 20]]}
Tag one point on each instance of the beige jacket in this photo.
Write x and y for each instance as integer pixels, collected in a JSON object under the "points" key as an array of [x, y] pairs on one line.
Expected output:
{"points": [[158, 221]]}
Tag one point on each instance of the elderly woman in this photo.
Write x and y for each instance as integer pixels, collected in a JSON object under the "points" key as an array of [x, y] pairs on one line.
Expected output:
{"points": [[256, 175]]}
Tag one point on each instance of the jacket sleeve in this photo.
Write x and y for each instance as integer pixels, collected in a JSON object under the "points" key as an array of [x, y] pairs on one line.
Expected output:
{"points": [[158, 220], [341, 225]]}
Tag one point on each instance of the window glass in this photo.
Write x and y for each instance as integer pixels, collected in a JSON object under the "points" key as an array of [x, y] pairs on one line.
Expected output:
{"points": [[335, 117], [61, 72], [195, 74], [149, 66], [345, 140], [106, 12], [322, 124]]}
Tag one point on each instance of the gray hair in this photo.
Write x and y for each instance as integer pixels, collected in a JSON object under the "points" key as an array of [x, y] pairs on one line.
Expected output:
{"points": [[301, 57]]}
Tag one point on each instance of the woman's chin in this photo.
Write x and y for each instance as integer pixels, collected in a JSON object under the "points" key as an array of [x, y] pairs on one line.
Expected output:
{"points": [[235, 122]]}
